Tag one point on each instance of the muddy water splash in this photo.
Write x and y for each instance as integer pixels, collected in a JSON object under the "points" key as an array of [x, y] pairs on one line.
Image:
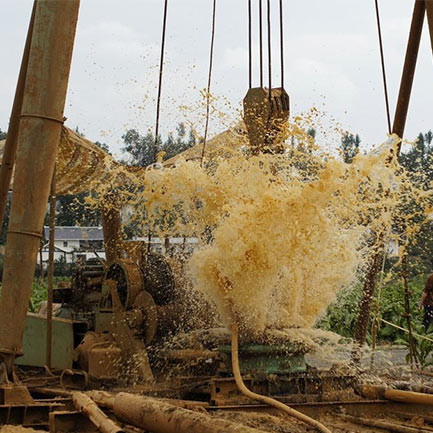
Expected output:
{"points": [[280, 235]]}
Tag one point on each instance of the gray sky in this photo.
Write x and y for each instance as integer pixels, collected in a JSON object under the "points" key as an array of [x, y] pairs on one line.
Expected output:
{"points": [[332, 62]]}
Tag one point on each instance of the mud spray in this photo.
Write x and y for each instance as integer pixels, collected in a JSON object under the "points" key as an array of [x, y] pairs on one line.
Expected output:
{"points": [[280, 234]]}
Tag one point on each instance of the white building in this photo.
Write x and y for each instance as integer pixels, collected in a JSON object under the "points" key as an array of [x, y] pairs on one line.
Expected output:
{"points": [[71, 243]]}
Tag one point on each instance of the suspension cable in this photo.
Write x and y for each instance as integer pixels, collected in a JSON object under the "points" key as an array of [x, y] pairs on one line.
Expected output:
{"points": [[282, 43], [250, 48], [261, 41], [161, 67], [382, 60], [209, 81], [269, 49]]}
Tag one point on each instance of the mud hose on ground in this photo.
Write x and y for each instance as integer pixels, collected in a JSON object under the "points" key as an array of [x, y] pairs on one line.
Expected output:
{"points": [[261, 398]]}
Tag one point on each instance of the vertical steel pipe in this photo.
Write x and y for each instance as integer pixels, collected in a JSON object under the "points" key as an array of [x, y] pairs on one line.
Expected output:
{"points": [[51, 271], [8, 159], [409, 69], [39, 133]]}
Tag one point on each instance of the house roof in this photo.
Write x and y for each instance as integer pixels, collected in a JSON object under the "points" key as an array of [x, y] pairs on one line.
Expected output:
{"points": [[68, 233]]}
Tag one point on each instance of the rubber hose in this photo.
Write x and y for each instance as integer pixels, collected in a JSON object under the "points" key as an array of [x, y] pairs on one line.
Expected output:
{"points": [[262, 398]]}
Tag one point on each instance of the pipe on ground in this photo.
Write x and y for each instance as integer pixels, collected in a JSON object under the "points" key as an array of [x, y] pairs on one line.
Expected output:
{"points": [[39, 133], [381, 392], [383, 425], [160, 417], [85, 404]]}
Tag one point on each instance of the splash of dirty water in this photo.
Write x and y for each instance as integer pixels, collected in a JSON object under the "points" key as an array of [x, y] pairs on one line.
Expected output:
{"points": [[281, 234]]}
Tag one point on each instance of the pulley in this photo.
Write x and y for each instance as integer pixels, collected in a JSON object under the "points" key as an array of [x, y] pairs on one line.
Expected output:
{"points": [[266, 110], [265, 115]]}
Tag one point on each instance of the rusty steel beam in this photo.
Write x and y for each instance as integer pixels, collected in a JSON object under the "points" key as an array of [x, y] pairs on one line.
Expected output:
{"points": [[9, 152], [413, 43], [39, 133]]}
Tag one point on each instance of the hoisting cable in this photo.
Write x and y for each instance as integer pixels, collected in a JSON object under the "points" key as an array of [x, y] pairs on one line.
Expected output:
{"points": [[269, 53], [209, 81], [262, 398], [161, 67], [261, 40], [250, 48], [281, 44], [382, 61]]}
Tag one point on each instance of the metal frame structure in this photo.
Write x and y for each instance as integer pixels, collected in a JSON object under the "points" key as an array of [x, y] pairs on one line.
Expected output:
{"points": [[398, 127], [36, 124]]}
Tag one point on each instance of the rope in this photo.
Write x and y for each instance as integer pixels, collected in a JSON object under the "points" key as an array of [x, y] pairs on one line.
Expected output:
{"points": [[261, 398], [282, 43], [209, 81], [261, 41], [382, 61], [407, 331], [161, 67], [250, 49]]}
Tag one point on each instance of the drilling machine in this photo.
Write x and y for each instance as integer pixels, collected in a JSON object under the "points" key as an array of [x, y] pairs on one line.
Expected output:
{"points": [[118, 309]]}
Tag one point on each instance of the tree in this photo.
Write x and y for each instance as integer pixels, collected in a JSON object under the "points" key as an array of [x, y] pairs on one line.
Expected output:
{"points": [[3, 134], [349, 146], [72, 210], [140, 149], [103, 146]]}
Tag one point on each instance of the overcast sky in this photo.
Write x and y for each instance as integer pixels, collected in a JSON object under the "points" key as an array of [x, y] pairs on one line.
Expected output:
{"points": [[331, 56]]}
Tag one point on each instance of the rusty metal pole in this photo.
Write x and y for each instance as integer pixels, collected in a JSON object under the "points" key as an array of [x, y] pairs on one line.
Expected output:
{"points": [[39, 133], [413, 43], [8, 160], [398, 128], [51, 271]]}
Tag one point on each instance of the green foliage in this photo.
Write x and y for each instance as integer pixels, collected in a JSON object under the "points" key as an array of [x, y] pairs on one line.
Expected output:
{"points": [[141, 151], [349, 146], [72, 210], [423, 348], [39, 295], [342, 315], [3, 134]]}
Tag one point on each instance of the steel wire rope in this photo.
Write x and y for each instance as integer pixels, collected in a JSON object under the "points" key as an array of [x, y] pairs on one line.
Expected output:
{"points": [[261, 40], [212, 42], [161, 68], [382, 61], [269, 53], [282, 43], [250, 49]]}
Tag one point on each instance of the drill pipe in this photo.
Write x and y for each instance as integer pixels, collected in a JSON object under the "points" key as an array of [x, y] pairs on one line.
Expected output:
{"points": [[161, 417], [85, 404], [39, 133]]}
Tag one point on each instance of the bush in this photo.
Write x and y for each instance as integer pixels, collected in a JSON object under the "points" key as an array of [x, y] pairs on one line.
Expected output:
{"points": [[342, 315]]}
